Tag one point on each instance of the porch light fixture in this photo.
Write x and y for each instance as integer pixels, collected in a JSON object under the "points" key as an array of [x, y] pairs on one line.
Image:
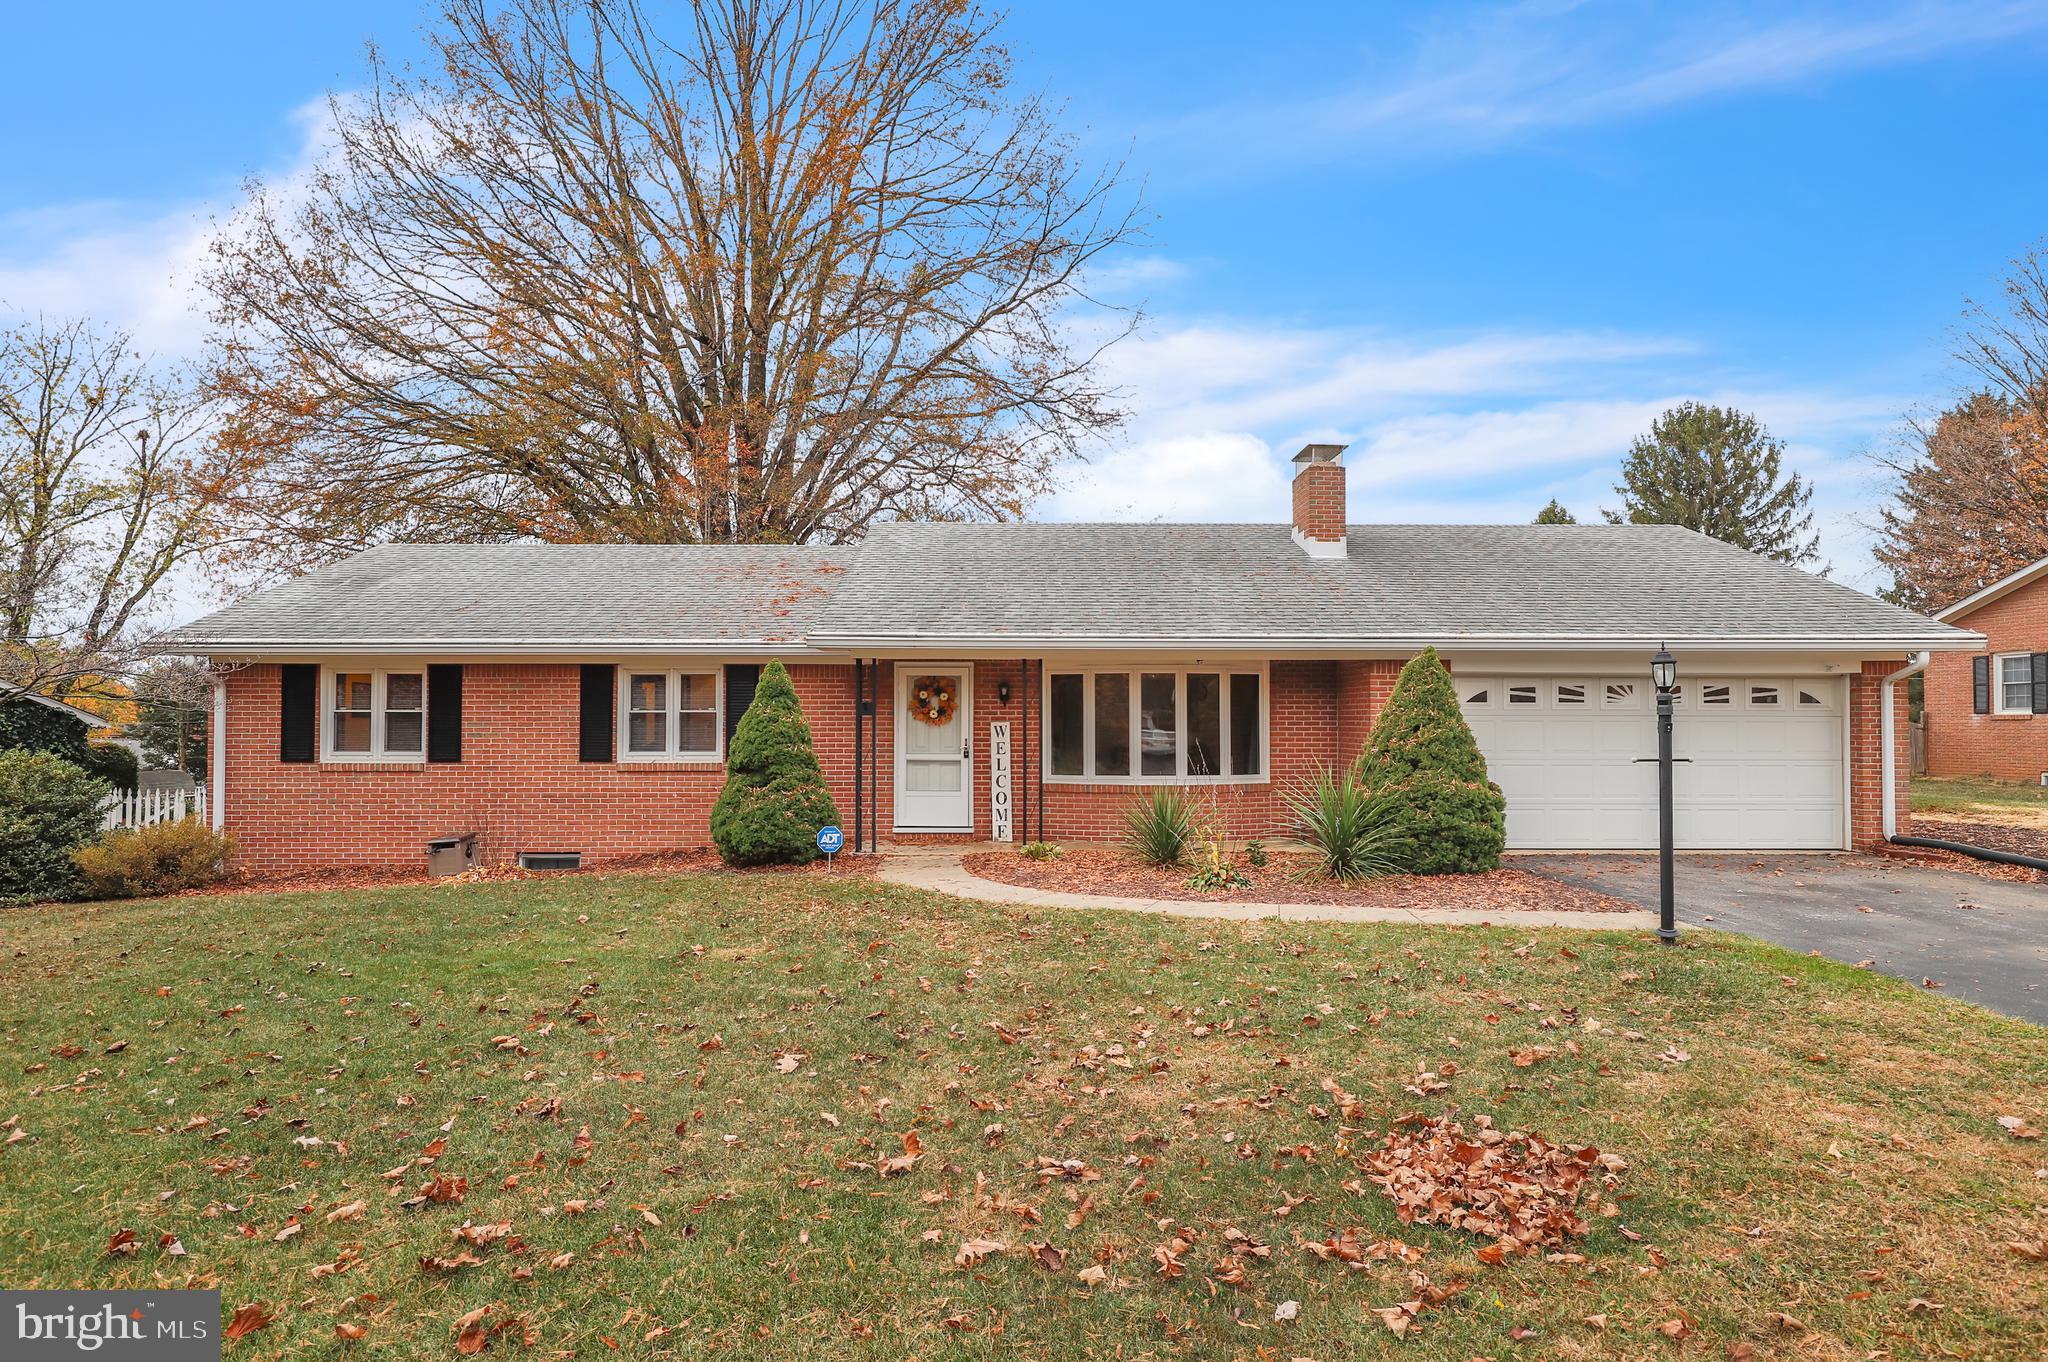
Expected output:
{"points": [[1003, 691], [1664, 674], [1664, 670]]}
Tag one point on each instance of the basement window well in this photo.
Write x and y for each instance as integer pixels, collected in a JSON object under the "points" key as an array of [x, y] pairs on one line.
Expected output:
{"points": [[550, 860]]}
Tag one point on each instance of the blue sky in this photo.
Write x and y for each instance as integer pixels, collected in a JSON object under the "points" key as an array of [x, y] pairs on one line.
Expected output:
{"points": [[1484, 243]]}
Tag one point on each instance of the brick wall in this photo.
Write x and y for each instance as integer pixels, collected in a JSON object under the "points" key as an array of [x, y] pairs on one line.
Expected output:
{"points": [[1866, 752], [1963, 743], [1362, 688], [519, 786]]}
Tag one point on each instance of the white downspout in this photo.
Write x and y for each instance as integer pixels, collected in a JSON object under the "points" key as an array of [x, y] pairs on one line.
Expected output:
{"points": [[1888, 736], [217, 761]]}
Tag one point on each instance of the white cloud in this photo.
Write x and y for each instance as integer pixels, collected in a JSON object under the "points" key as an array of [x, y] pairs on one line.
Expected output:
{"points": [[112, 263], [1511, 70], [1134, 273], [1482, 428], [1206, 375], [1220, 476], [133, 266]]}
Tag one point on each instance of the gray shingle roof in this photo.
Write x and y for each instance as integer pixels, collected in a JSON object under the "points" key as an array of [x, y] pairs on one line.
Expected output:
{"points": [[1079, 586], [551, 594], [1424, 583]]}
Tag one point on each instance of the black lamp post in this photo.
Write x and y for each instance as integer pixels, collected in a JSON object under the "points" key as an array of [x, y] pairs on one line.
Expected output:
{"points": [[1664, 673]]}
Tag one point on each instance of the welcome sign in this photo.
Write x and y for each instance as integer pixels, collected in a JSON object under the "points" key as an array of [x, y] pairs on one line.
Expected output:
{"points": [[1001, 798]]}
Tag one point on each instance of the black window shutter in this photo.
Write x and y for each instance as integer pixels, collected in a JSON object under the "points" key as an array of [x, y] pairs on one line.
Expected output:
{"points": [[444, 712], [594, 727], [298, 711], [2041, 683], [1980, 685], [740, 680]]}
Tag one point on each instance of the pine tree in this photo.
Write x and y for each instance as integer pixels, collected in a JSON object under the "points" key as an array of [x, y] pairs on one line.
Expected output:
{"points": [[1718, 471], [1423, 759], [1555, 514], [774, 800]]}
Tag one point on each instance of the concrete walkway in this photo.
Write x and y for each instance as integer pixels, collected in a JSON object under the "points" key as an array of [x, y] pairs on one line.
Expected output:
{"points": [[939, 869]]}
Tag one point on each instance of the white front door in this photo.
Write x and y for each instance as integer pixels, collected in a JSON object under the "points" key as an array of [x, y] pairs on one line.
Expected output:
{"points": [[934, 748]]}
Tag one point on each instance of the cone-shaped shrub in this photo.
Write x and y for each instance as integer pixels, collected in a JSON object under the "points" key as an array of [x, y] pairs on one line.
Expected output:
{"points": [[775, 798], [1423, 759]]}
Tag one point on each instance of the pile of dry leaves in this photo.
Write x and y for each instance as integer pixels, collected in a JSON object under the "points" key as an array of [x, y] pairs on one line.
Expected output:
{"points": [[1518, 1189]]}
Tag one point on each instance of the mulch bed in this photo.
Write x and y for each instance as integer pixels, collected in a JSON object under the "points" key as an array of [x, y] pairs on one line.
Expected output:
{"points": [[1116, 873], [2013, 837]]}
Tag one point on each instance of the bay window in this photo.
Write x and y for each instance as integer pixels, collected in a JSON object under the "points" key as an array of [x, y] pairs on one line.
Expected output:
{"points": [[375, 715], [1155, 725], [669, 716]]}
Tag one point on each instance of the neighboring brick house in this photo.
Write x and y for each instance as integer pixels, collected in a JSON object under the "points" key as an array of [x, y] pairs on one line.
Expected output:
{"points": [[578, 698], [1986, 711]]}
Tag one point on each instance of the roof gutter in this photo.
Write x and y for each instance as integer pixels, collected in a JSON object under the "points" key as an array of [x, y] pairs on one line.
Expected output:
{"points": [[1888, 757], [1947, 641], [548, 647]]}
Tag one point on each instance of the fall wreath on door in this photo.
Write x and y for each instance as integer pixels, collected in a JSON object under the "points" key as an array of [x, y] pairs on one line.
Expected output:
{"points": [[934, 699]]}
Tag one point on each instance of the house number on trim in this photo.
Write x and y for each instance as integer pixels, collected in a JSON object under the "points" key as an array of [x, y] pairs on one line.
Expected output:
{"points": [[999, 780]]}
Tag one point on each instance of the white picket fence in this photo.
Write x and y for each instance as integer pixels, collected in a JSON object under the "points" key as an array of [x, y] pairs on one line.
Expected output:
{"points": [[140, 808]]}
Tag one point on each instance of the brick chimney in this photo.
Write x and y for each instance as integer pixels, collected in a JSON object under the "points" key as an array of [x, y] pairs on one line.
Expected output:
{"points": [[1319, 500]]}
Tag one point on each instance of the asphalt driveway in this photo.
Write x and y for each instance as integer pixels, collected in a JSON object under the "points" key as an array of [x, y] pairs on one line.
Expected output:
{"points": [[1981, 939]]}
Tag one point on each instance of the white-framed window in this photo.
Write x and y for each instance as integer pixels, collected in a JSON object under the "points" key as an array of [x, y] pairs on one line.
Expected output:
{"points": [[373, 714], [1156, 725], [2012, 683], [670, 714]]}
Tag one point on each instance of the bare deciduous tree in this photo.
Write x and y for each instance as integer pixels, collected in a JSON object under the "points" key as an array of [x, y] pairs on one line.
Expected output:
{"points": [[104, 493], [1972, 485], [769, 273]]}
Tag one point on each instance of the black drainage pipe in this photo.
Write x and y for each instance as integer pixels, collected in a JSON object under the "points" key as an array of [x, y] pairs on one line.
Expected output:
{"points": [[1981, 853]]}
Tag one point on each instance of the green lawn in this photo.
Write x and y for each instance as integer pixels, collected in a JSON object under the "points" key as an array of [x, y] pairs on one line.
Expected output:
{"points": [[1803, 1140], [1964, 795]]}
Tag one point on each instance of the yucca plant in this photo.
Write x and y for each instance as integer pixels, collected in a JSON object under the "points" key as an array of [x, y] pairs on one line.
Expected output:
{"points": [[1355, 834], [1158, 825]]}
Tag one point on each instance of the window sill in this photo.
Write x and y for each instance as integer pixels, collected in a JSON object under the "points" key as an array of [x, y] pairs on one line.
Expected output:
{"points": [[1155, 782], [2007, 716], [372, 764], [668, 763]]}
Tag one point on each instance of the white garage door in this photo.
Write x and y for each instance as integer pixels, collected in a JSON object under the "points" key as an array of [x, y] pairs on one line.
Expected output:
{"points": [[1765, 770]]}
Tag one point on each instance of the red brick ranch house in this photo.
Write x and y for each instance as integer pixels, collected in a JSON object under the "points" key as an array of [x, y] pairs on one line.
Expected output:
{"points": [[1987, 711], [577, 700]]}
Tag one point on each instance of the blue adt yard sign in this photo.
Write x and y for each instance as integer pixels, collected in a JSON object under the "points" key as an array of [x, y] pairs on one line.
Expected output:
{"points": [[830, 839]]}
